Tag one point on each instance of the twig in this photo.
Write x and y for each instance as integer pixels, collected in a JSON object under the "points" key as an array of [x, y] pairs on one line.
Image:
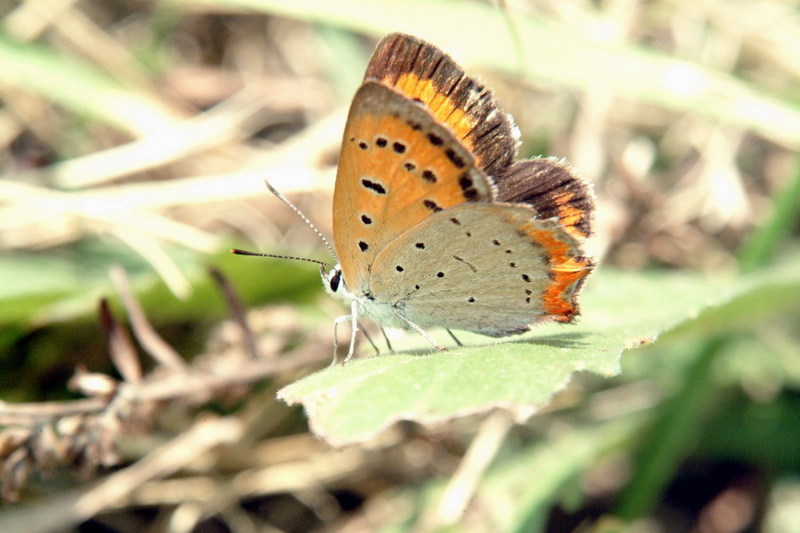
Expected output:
{"points": [[145, 334], [76, 506], [462, 485], [173, 386], [120, 347], [237, 312]]}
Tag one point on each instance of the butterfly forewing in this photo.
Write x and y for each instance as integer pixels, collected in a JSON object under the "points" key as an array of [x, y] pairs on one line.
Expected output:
{"points": [[398, 167], [422, 72]]}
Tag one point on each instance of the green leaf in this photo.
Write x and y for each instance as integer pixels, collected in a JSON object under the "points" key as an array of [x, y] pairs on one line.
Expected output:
{"points": [[351, 403]]}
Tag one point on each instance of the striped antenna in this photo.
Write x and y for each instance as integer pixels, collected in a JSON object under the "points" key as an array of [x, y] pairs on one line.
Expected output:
{"points": [[294, 208], [276, 256]]}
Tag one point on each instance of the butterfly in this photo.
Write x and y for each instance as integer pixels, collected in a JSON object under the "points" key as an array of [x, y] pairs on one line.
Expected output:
{"points": [[434, 221]]}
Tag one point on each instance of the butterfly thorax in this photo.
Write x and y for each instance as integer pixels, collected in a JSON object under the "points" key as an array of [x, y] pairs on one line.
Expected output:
{"points": [[383, 313]]}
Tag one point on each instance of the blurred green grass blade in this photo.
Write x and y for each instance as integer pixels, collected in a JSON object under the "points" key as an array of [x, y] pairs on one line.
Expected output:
{"points": [[741, 428], [66, 283], [554, 53], [765, 241], [681, 417], [519, 490], [537, 476], [31, 282], [755, 296], [674, 432], [80, 87], [351, 403], [763, 293]]}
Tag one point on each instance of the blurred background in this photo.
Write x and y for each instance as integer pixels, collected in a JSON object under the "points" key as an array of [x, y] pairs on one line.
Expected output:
{"points": [[138, 134]]}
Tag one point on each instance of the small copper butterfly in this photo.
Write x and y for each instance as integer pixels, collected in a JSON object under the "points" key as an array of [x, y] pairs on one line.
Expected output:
{"points": [[434, 222]]}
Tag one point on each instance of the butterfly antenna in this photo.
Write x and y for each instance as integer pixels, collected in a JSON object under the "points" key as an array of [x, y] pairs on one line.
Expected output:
{"points": [[276, 256], [310, 224]]}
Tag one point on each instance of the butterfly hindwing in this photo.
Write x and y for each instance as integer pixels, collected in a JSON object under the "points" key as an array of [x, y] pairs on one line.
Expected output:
{"points": [[551, 187], [488, 268]]}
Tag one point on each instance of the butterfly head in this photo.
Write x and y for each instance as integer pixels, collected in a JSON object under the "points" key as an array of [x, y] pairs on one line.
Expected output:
{"points": [[332, 280]]}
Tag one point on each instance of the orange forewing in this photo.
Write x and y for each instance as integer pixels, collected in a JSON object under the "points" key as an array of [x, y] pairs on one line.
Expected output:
{"points": [[397, 167], [422, 72]]}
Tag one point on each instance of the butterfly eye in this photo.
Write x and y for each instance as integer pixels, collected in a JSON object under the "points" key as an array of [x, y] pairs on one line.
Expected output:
{"points": [[334, 280]]}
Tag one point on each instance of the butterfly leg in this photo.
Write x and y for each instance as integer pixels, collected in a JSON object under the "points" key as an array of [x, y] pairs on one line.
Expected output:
{"points": [[353, 331], [336, 323], [374, 346], [353, 318], [386, 338], [452, 336], [420, 331]]}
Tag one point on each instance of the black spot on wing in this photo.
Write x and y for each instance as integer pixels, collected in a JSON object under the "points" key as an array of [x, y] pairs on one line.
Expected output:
{"points": [[373, 186], [435, 139], [430, 204], [429, 176], [456, 159]]}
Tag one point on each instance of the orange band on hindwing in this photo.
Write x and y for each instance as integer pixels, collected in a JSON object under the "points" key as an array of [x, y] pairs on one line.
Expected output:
{"points": [[551, 187], [567, 271]]}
